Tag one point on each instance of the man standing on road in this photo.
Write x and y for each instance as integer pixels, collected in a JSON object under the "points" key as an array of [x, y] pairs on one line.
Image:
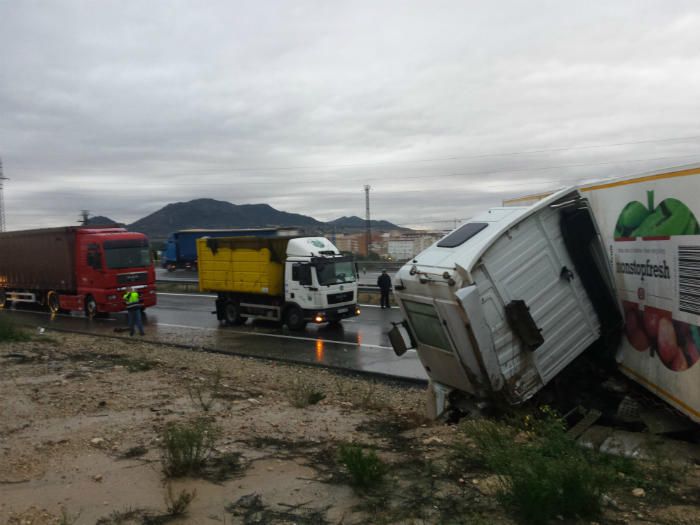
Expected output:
{"points": [[384, 283], [133, 310]]}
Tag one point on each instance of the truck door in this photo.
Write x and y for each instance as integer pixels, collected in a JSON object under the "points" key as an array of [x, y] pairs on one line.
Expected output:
{"points": [[91, 261], [437, 345], [300, 289]]}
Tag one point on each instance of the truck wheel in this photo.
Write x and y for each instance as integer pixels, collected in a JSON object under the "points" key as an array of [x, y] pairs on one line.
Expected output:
{"points": [[232, 314], [52, 301], [90, 307], [294, 318]]}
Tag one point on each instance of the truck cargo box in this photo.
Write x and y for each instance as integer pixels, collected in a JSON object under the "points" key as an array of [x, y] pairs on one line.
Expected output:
{"points": [[242, 265], [38, 259]]}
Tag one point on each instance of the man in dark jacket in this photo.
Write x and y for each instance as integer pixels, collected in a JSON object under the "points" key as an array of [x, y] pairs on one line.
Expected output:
{"points": [[384, 283]]}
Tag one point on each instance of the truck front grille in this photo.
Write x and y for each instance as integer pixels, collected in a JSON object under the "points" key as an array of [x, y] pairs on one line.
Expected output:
{"points": [[343, 297], [132, 278]]}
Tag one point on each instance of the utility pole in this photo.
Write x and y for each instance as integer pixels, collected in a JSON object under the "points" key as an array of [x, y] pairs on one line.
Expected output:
{"points": [[2, 199], [368, 226], [84, 216]]}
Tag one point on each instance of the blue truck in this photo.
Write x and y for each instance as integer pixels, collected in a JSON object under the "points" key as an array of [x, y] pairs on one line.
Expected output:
{"points": [[181, 248]]}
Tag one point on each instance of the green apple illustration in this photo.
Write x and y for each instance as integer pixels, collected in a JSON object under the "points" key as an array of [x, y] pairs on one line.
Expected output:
{"points": [[670, 217]]}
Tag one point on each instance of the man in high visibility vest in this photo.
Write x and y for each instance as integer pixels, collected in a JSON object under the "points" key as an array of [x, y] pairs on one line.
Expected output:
{"points": [[133, 309]]}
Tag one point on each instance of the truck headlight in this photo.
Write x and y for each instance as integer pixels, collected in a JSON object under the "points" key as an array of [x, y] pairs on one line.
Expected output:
{"points": [[318, 318]]}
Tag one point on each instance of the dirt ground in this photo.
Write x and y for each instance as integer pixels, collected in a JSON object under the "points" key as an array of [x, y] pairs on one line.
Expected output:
{"points": [[81, 435]]}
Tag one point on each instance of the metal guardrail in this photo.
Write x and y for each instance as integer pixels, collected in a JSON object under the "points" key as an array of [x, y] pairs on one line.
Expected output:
{"points": [[361, 288]]}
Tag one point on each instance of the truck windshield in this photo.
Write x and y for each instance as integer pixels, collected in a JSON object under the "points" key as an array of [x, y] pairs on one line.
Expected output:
{"points": [[127, 254], [335, 272]]}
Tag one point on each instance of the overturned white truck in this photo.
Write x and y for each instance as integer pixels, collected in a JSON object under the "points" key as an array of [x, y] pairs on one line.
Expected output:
{"points": [[501, 305]]}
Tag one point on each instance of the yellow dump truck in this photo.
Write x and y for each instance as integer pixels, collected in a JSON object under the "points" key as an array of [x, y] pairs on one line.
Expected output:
{"points": [[292, 280]]}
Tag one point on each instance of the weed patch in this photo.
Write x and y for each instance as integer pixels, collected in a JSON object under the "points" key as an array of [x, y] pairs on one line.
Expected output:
{"points": [[303, 393], [10, 332], [366, 470], [222, 467], [134, 452], [251, 510], [123, 517], [202, 394], [186, 446], [543, 473], [178, 505]]}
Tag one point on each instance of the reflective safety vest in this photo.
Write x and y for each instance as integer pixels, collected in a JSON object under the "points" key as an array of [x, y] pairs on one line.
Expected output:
{"points": [[131, 299]]}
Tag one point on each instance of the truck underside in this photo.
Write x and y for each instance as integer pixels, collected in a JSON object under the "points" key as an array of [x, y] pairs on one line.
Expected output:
{"points": [[236, 308]]}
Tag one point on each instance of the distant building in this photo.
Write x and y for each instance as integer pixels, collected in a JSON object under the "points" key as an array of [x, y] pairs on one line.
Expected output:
{"points": [[407, 245]]}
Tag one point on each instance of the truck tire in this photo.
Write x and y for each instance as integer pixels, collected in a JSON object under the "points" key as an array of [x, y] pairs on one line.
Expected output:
{"points": [[90, 307], [294, 318], [232, 314], [52, 302]]}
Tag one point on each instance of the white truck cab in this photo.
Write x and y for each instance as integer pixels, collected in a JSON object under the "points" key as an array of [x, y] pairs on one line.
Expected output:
{"points": [[501, 305]]}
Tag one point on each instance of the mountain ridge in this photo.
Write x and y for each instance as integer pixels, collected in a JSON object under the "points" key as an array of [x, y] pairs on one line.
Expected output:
{"points": [[207, 213]]}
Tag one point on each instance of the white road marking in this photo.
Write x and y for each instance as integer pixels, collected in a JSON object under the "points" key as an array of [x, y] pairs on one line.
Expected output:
{"points": [[214, 296], [278, 336]]}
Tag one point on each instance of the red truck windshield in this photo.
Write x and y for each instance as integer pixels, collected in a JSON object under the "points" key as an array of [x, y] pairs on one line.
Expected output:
{"points": [[132, 253]]}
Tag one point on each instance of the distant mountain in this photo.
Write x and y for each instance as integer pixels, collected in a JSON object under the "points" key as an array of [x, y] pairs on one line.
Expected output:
{"points": [[356, 223], [100, 220], [210, 213]]}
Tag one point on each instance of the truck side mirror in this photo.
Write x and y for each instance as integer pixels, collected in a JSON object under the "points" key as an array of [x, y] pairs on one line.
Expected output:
{"points": [[400, 338]]}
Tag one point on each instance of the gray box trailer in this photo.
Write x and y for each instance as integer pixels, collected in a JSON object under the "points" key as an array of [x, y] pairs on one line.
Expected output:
{"points": [[38, 259]]}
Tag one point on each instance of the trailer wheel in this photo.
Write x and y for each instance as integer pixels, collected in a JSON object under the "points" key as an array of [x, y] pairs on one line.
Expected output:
{"points": [[294, 318], [52, 302], [90, 307], [232, 314]]}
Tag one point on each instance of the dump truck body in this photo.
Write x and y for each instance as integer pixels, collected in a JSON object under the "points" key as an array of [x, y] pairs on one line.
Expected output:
{"points": [[295, 280], [501, 305], [75, 268], [181, 248]]}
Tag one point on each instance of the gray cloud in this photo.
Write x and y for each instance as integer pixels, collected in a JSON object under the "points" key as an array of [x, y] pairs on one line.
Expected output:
{"points": [[122, 107]]}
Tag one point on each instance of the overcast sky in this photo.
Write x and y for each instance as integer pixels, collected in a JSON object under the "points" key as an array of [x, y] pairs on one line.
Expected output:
{"points": [[444, 108]]}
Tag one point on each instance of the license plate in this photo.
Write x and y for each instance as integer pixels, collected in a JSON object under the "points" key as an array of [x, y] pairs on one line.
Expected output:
{"points": [[342, 310]]}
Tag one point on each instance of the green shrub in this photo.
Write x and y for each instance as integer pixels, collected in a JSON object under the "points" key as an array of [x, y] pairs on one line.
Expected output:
{"points": [[303, 393], [365, 468], [178, 505], [9, 331], [544, 474], [186, 446]]}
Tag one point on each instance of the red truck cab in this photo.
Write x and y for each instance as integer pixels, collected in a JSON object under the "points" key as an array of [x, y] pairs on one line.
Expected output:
{"points": [[108, 261]]}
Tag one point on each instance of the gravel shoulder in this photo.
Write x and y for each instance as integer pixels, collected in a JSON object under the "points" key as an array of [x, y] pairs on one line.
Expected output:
{"points": [[82, 421]]}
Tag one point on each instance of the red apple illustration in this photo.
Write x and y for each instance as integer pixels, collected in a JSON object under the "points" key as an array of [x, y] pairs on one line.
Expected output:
{"points": [[679, 363], [635, 332], [667, 342]]}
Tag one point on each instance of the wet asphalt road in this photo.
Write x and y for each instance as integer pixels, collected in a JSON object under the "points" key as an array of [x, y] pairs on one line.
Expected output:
{"points": [[360, 343]]}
